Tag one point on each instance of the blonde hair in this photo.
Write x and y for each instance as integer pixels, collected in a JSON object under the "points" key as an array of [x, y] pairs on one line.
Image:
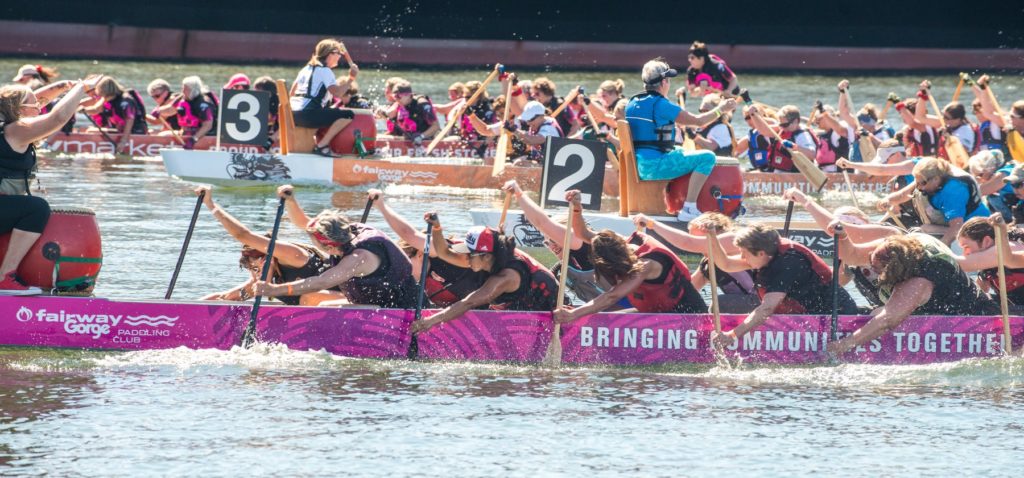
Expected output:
{"points": [[986, 162], [470, 89], [11, 99], [195, 86], [713, 220], [333, 225], [323, 49], [459, 87], [616, 87], [157, 86], [109, 88], [930, 167]]}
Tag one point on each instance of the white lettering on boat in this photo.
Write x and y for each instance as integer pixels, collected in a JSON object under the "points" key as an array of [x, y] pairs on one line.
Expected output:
{"points": [[397, 175], [98, 325], [626, 338]]}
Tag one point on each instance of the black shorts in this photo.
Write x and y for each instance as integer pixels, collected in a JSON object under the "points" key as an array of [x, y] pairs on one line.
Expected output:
{"points": [[320, 117], [25, 213]]}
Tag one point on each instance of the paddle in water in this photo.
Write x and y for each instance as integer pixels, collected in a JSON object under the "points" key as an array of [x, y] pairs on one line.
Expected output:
{"points": [[833, 329], [716, 316], [553, 355], [250, 330], [789, 218], [414, 344], [184, 246]]}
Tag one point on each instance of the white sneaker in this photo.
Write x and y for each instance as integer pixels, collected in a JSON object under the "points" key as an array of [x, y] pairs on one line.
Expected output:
{"points": [[688, 213]]}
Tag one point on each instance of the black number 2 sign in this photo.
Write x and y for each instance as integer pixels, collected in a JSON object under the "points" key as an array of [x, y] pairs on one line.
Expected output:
{"points": [[573, 164]]}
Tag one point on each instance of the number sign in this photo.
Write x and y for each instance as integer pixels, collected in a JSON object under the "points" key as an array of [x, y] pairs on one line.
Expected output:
{"points": [[244, 116], [573, 164]]}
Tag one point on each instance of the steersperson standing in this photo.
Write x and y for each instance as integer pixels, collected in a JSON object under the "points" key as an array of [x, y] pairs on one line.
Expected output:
{"points": [[652, 119]]}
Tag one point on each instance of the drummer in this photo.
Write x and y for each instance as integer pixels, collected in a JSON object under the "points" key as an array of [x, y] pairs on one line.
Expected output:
{"points": [[313, 89]]}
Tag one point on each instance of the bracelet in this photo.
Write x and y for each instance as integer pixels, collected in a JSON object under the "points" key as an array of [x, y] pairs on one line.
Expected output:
{"points": [[718, 113], [518, 91], [290, 290]]}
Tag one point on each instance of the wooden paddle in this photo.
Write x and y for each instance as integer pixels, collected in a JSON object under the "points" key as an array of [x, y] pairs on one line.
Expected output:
{"points": [[184, 245], [789, 219], [501, 151], [462, 109], [895, 218], [889, 101], [849, 187], [716, 317], [504, 212], [553, 355], [867, 148], [565, 101], [250, 330], [414, 344], [960, 86], [1001, 242], [102, 132], [808, 168], [167, 126]]}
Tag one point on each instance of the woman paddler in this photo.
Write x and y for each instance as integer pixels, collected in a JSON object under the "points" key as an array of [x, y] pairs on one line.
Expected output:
{"points": [[945, 197], [21, 214], [166, 105], [790, 278], [446, 282], [364, 264], [313, 89], [918, 274], [641, 268], [123, 109], [709, 73], [196, 110], [737, 294], [515, 281], [41, 80], [291, 261]]}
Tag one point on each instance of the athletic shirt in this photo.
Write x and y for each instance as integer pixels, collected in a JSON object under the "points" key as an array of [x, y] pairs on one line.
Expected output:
{"points": [[582, 280], [715, 72], [565, 118], [447, 283], [129, 105], [391, 286], [14, 164], [720, 134], [741, 283], [958, 197], [805, 279], [537, 286], [953, 293], [965, 133], [311, 90], [314, 266], [672, 290]]}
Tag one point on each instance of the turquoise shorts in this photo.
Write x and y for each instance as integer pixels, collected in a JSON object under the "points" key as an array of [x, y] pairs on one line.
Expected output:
{"points": [[655, 166]]}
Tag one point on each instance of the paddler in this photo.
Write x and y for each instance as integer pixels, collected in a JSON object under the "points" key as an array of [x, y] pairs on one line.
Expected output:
{"points": [[124, 110], [716, 136], [737, 294], [990, 170], [891, 160], [1016, 181], [543, 90], [515, 280], [977, 239], [292, 261], [639, 268], [364, 264], [946, 197], [794, 137], [1012, 128], [446, 282], [197, 111], [22, 215], [708, 73], [413, 116], [920, 138], [166, 105], [790, 278], [992, 128], [652, 121], [532, 129], [313, 89], [918, 274]]}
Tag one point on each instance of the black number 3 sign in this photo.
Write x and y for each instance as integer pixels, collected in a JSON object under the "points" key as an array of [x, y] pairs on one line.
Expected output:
{"points": [[244, 117]]}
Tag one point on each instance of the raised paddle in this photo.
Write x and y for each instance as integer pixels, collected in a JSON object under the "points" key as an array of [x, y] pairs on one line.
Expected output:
{"points": [[366, 210], [553, 355], [184, 245], [960, 86], [789, 218], [504, 212], [889, 101], [462, 109], [501, 151], [565, 102], [815, 176], [716, 317], [414, 344], [1001, 242], [250, 330]]}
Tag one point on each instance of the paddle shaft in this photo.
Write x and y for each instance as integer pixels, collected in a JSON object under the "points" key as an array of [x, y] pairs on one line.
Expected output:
{"points": [[177, 137], [833, 329], [501, 153], [565, 102], [250, 329], [414, 344], [504, 211], [184, 245], [462, 109], [100, 128], [716, 317], [366, 210], [789, 218], [959, 86], [849, 186], [1001, 239], [553, 355]]}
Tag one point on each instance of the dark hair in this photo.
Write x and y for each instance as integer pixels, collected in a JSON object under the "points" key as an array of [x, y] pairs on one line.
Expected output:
{"points": [[978, 228], [699, 50], [759, 237], [955, 110], [504, 251], [612, 257], [266, 83]]}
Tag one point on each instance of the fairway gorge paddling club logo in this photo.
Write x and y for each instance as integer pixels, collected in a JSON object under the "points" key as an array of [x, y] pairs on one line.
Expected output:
{"points": [[99, 325]]}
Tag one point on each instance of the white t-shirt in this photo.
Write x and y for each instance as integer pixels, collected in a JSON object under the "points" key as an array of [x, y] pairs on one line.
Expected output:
{"points": [[322, 78], [720, 135], [966, 135], [806, 140], [834, 138], [548, 129]]}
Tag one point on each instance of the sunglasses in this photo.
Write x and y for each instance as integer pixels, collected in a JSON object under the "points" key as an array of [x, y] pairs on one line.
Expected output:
{"points": [[786, 124]]}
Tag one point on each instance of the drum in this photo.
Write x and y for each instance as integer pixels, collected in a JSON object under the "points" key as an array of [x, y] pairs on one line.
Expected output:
{"points": [[723, 191], [69, 249], [363, 128]]}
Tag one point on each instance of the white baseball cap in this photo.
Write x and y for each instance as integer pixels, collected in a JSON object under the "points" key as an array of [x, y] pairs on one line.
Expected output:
{"points": [[532, 110]]}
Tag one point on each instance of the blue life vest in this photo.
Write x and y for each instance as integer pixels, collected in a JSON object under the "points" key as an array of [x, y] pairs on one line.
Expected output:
{"points": [[643, 123], [758, 155], [988, 141]]}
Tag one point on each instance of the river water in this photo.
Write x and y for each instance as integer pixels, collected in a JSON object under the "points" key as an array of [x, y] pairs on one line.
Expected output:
{"points": [[272, 411]]}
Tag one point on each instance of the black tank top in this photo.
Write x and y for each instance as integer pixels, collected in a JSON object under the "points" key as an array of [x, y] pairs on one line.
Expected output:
{"points": [[312, 268], [14, 164]]}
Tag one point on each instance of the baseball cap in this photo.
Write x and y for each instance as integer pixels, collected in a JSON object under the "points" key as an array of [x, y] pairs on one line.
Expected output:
{"points": [[1015, 177], [237, 79], [882, 155], [25, 70], [478, 239], [532, 110], [655, 71]]}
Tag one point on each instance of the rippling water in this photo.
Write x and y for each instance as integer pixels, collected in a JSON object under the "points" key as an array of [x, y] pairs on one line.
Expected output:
{"points": [[271, 411]]}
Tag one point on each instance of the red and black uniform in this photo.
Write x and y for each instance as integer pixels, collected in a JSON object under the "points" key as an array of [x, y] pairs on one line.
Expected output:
{"points": [[537, 290], [447, 283], [921, 144], [671, 291], [1014, 283], [781, 159], [391, 286], [805, 279], [565, 118]]}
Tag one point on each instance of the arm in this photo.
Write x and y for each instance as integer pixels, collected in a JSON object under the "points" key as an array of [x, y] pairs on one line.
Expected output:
{"points": [[295, 212], [441, 248], [952, 229], [495, 285], [530, 139], [907, 296], [901, 168], [609, 297], [481, 127], [821, 216], [755, 319], [47, 93], [994, 184], [204, 128], [547, 226], [126, 135], [845, 103], [357, 264], [987, 106], [724, 261], [29, 130], [579, 227], [685, 118], [397, 223], [289, 254]]}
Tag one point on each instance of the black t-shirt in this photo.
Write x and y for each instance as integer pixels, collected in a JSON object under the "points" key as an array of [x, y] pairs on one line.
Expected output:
{"points": [[953, 293], [791, 273]]}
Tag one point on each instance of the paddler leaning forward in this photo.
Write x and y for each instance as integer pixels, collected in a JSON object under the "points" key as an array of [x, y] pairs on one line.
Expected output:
{"points": [[515, 280], [366, 265], [789, 277]]}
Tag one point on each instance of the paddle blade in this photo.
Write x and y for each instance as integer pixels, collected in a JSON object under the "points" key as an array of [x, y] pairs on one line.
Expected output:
{"points": [[815, 176], [867, 149], [553, 355], [956, 152], [501, 155]]}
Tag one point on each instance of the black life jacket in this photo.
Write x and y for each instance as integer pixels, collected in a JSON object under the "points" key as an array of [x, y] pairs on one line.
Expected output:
{"points": [[721, 150], [314, 266], [391, 285], [537, 286], [447, 283]]}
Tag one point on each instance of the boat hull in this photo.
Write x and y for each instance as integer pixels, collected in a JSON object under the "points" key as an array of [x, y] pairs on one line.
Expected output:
{"points": [[521, 337]]}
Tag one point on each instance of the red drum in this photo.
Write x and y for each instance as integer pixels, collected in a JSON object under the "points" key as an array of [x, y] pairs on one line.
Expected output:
{"points": [[363, 126], [723, 191], [70, 246]]}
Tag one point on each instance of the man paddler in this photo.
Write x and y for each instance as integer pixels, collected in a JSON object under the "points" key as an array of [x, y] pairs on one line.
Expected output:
{"points": [[652, 119]]}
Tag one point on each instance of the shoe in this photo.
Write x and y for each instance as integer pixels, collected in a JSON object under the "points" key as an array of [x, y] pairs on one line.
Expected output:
{"points": [[323, 151], [688, 213], [10, 285]]}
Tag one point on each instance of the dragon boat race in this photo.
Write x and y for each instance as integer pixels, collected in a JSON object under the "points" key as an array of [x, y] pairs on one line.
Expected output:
{"points": [[511, 239]]}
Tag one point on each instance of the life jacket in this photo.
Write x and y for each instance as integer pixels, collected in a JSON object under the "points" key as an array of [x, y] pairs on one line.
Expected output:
{"points": [[741, 282], [130, 99], [818, 265], [758, 151], [673, 292], [15, 165], [391, 285], [482, 110], [314, 266], [188, 112], [973, 198], [987, 140], [711, 73], [1014, 283], [1014, 144], [782, 159], [536, 151], [172, 121], [537, 286], [447, 283], [827, 152], [316, 101], [647, 134], [102, 119], [414, 118], [921, 144], [565, 118], [721, 150]]}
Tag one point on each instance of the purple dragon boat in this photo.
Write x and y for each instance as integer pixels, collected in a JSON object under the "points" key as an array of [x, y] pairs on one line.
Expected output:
{"points": [[521, 337]]}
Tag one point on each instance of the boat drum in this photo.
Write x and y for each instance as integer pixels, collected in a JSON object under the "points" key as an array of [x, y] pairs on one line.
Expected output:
{"points": [[363, 128], [723, 191], [69, 250]]}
